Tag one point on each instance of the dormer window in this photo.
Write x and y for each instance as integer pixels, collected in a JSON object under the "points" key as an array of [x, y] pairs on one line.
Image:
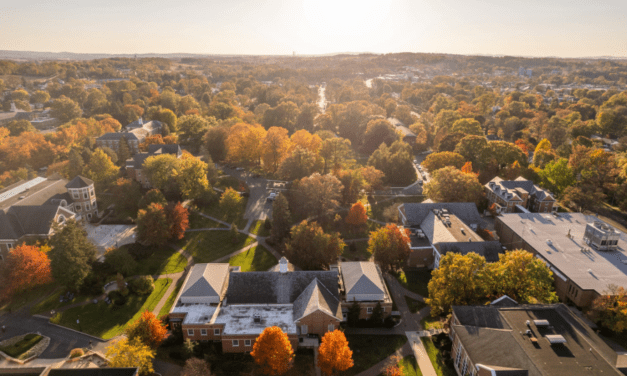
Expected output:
{"points": [[257, 319]]}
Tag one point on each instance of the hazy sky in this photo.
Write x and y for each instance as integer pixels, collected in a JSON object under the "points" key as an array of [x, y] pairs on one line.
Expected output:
{"points": [[568, 28]]}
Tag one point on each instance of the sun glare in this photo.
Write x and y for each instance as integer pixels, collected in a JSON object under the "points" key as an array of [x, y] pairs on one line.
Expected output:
{"points": [[345, 18]]}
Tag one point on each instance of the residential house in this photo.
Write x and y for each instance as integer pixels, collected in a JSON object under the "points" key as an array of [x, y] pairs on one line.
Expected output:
{"points": [[585, 254], [519, 195], [439, 228], [408, 136], [28, 209], [135, 133], [135, 164], [529, 340], [218, 303]]}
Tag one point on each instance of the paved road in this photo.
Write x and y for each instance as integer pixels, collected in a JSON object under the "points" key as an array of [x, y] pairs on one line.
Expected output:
{"points": [[257, 207]]}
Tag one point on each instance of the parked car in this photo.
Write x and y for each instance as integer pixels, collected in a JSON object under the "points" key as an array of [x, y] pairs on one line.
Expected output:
{"points": [[272, 196], [239, 169]]}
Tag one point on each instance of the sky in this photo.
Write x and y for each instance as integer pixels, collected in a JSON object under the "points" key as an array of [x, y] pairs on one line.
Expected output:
{"points": [[564, 28]]}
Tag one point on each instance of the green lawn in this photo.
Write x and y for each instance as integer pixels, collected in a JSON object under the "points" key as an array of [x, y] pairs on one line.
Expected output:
{"points": [[52, 302], [350, 232], [360, 254], [18, 349], [259, 229], [409, 366], [256, 259], [207, 246], [108, 320], [415, 280], [214, 210], [170, 302], [429, 322], [198, 221], [163, 260], [370, 350], [414, 305], [441, 369], [18, 301]]}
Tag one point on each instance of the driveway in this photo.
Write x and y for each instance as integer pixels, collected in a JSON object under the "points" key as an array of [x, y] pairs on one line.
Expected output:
{"points": [[258, 207]]}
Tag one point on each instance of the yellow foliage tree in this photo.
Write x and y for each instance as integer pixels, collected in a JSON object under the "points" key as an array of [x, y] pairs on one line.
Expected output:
{"points": [[131, 353], [245, 143], [334, 353], [276, 144], [273, 351], [306, 140]]}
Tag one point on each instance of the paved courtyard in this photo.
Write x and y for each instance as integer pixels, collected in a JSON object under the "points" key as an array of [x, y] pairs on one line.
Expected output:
{"points": [[107, 236]]}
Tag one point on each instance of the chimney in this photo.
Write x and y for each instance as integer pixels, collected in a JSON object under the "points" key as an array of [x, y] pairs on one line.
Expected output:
{"points": [[283, 265]]}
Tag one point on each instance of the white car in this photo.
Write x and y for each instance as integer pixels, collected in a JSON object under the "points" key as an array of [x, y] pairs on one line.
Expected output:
{"points": [[272, 196]]}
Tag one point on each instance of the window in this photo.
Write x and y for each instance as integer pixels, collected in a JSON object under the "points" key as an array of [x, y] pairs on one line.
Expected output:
{"points": [[87, 207], [602, 242], [246, 342], [78, 207], [75, 194], [303, 329], [61, 219], [9, 246], [458, 356], [236, 343], [216, 332], [139, 173], [85, 195], [203, 332], [331, 327], [190, 332], [369, 310], [465, 366], [91, 192]]}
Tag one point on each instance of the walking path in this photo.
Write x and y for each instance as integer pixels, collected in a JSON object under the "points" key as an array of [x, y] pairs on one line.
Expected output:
{"points": [[420, 352]]}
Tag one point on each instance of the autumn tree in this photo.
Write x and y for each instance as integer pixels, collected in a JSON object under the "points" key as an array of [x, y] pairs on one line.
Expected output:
{"points": [[17, 127], [152, 225], [101, 170], [123, 152], [467, 168], [316, 195], [159, 169], [334, 354], [378, 131], [231, 203], [396, 162], [190, 176], [148, 329], [24, 268], [178, 220], [467, 126], [298, 164], [71, 255], [196, 367], [153, 196], [275, 145], [610, 309], [452, 185], [65, 109], [306, 140], [311, 248], [131, 353], [244, 143], [335, 152], [471, 148], [357, 215], [281, 219], [215, 142], [390, 246], [436, 161], [273, 351], [192, 129]]}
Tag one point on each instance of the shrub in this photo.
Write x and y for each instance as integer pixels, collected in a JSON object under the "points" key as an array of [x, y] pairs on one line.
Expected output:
{"points": [[143, 285], [75, 353], [267, 224], [56, 319], [92, 284]]}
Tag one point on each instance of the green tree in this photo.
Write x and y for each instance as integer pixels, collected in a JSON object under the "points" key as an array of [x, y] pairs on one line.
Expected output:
{"points": [[312, 249], [120, 261], [316, 195], [557, 176], [467, 126], [452, 185], [152, 225], [192, 129], [153, 196], [191, 177], [159, 170], [71, 254], [76, 164], [298, 164], [17, 127], [471, 148], [335, 152], [353, 313], [101, 169], [124, 152], [231, 204], [436, 161], [378, 131], [215, 142], [65, 109], [390, 246], [281, 219]]}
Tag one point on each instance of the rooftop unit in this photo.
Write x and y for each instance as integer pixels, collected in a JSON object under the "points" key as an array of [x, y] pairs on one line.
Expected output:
{"points": [[555, 339], [601, 236]]}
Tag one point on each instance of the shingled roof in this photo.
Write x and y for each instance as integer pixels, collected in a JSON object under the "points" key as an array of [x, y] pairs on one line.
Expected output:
{"points": [[316, 297], [79, 182], [205, 280], [465, 211], [362, 278]]}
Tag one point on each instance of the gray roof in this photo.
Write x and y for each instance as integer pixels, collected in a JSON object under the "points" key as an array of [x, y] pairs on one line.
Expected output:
{"points": [[508, 187], [481, 316], [466, 211], [276, 288], [79, 182], [590, 270], [137, 160], [490, 250], [116, 136], [362, 277], [316, 297], [205, 280], [94, 372], [405, 131], [504, 301]]}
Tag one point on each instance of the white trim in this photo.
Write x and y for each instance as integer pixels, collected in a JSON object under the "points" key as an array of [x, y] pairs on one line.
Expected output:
{"points": [[190, 332], [203, 332], [247, 342], [235, 342], [492, 372], [369, 310], [216, 331]]}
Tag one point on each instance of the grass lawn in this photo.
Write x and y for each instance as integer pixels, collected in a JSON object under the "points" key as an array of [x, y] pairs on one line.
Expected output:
{"points": [[259, 229], [361, 251], [431, 323], [256, 259], [19, 348], [414, 305], [214, 210], [441, 369], [198, 221], [52, 302], [207, 246], [108, 320], [415, 280], [17, 301], [375, 210], [349, 232], [170, 302], [163, 260], [409, 366], [370, 350]]}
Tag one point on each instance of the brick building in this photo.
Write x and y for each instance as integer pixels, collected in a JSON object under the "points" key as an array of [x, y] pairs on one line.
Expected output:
{"points": [[508, 194], [135, 164], [135, 133]]}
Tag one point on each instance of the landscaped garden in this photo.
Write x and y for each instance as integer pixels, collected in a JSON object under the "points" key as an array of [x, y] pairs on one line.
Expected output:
{"points": [[109, 320], [256, 259], [409, 366], [415, 280], [52, 302], [370, 350], [20, 348], [171, 300], [208, 246]]}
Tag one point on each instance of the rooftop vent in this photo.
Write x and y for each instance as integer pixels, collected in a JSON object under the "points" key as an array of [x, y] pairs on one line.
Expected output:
{"points": [[555, 339], [541, 322], [257, 319], [549, 242]]}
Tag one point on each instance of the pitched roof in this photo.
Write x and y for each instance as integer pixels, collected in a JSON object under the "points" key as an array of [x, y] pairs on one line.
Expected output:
{"points": [[362, 278], [465, 211], [490, 250], [205, 280], [480, 316], [316, 297], [509, 189], [137, 160], [504, 301], [79, 182], [34, 220]]}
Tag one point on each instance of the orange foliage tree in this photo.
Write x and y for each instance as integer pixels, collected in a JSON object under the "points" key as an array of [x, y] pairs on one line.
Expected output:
{"points": [[467, 168], [148, 329], [178, 222], [24, 268], [334, 353], [273, 352], [390, 246], [357, 215]]}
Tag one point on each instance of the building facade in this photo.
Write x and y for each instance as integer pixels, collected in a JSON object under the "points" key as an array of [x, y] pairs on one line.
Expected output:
{"points": [[512, 195]]}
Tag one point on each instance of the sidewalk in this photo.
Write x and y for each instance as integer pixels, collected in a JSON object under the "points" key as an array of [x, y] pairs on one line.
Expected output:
{"points": [[421, 354]]}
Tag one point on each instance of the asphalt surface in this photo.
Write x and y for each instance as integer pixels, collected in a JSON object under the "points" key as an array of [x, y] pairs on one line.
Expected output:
{"points": [[258, 207]]}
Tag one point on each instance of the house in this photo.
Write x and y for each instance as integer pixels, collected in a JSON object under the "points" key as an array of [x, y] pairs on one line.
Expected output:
{"points": [[519, 195], [528, 340], [218, 303], [27, 209], [439, 228], [585, 254], [408, 136], [134, 165], [135, 133]]}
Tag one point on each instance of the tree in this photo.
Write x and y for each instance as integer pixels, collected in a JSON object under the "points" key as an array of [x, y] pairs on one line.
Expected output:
{"points": [[378, 131], [357, 215], [71, 255], [231, 203], [76, 164], [244, 143], [610, 309], [148, 329], [17, 127], [196, 367], [126, 195], [131, 353], [335, 152], [353, 184], [191, 176], [101, 169], [306, 140], [276, 145], [40, 96], [390, 246], [467, 126], [458, 280], [298, 164], [177, 218], [153, 196], [582, 198], [312, 249], [272, 351], [124, 152], [25, 267], [436, 161], [451, 185], [396, 162], [557, 176], [334, 353], [544, 144], [193, 128], [467, 168], [316, 195], [281, 219], [215, 142], [152, 225], [119, 260], [542, 157], [159, 169], [450, 141], [353, 313], [65, 109], [471, 148]]}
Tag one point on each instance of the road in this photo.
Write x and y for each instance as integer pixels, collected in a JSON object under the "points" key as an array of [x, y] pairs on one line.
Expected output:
{"points": [[257, 207]]}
